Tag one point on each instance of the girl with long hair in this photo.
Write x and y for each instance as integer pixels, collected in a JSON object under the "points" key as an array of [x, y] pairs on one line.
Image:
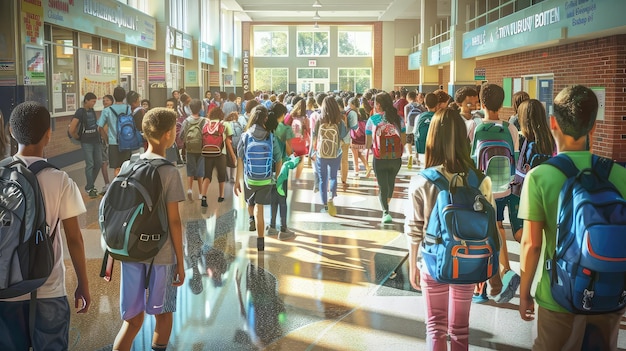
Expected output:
{"points": [[214, 120], [533, 128], [327, 135], [257, 192], [298, 121], [356, 123], [386, 170], [447, 305]]}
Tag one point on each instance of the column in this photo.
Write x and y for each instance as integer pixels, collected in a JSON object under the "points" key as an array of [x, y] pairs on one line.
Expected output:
{"points": [[429, 75], [158, 92], [388, 56], [461, 70]]}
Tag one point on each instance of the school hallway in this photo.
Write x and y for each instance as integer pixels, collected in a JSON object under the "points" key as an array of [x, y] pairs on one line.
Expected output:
{"points": [[340, 285]]}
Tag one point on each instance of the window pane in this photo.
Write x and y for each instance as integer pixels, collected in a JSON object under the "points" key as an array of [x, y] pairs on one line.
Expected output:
{"points": [[355, 43], [262, 43], [280, 44], [321, 73], [305, 73], [305, 43], [320, 43]]}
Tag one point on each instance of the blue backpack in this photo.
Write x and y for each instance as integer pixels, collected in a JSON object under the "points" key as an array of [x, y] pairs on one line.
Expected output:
{"points": [[462, 243], [258, 157], [588, 268], [128, 137]]}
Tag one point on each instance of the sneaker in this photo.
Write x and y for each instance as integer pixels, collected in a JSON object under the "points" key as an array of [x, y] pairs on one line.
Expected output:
{"points": [[190, 194], [480, 297], [260, 244], [510, 282], [332, 210], [409, 163], [251, 224], [356, 175], [199, 196], [271, 231], [104, 189], [93, 193], [387, 218], [316, 188], [220, 199], [203, 203], [286, 235]]}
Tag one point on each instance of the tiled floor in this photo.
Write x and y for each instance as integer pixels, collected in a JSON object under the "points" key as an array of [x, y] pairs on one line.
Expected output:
{"points": [[341, 285]]}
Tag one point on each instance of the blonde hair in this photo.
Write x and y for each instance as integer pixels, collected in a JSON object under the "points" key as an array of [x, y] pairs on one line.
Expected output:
{"points": [[156, 122]]}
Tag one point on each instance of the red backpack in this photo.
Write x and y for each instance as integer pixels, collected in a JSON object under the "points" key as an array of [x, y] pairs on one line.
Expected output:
{"points": [[387, 143], [212, 138]]}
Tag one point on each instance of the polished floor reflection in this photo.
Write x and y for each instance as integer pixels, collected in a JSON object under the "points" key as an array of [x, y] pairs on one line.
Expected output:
{"points": [[341, 285]]}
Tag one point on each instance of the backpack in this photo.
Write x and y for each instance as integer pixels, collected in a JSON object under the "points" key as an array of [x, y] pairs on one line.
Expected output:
{"points": [[133, 212], [462, 244], [80, 128], [413, 114], [258, 157], [212, 138], [423, 124], [528, 159], [327, 140], [387, 143], [298, 142], [237, 132], [493, 154], [180, 143], [128, 137], [193, 136], [27, 253], [588, 268], [358, 135]]}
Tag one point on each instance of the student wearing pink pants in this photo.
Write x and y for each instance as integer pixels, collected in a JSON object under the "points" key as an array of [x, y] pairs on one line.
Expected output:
{"points": [[447, 305]]}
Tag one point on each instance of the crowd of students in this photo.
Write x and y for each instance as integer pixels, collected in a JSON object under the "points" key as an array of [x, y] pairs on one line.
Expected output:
{"points": [[255, 141]]}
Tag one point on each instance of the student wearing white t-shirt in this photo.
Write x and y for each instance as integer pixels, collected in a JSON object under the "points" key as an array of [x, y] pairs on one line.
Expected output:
{"points": [[30, 126]]}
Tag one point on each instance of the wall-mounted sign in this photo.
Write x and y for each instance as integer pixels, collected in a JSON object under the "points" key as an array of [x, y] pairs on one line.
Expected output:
{"points": [[179, 43], [480, 73], [245, 77], [415, 60], [312, 63], [206, 53], [440, 53]]}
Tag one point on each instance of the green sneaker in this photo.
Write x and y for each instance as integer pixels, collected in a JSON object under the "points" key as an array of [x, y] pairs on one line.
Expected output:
{"points": [[387, 218]]}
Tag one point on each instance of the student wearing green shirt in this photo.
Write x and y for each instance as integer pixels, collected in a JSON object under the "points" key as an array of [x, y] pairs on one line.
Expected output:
{"points": [[573, 119]]}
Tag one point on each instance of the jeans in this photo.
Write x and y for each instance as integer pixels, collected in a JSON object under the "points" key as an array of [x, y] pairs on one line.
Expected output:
{"points": [[447, 313], [386, 172], [279, 203], [327, 169], [93, 163]]}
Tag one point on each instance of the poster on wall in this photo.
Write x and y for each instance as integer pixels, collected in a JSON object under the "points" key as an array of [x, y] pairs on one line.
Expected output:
{"points": [[34, 72], [70, 101], [98, 73]]}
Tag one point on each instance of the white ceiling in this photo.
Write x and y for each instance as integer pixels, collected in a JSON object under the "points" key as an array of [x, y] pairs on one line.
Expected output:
{"points": [[331, 10]]}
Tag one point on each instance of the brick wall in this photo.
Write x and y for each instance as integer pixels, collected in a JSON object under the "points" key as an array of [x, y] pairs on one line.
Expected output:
{"points": [[598, 62], [59, 143], [402, 75]]}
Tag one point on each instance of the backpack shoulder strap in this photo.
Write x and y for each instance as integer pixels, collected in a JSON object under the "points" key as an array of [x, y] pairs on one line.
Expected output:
{"points": [[475, 178], [114, 112], [602, 166], [40, 165], [564, 164], [434, 176]]}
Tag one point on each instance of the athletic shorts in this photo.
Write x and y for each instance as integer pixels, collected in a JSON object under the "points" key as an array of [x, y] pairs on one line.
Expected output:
{"points": [[512, 203], [255, 194], [410, 139], [217, 163], [117, 157], [52, 324], [161, 293]]}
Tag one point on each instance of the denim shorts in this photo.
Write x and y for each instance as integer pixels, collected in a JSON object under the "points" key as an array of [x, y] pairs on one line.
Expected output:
{"points": [[512, 203]]}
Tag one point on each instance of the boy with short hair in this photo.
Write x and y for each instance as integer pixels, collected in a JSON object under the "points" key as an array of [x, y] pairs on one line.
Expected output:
{"points": [[109, 135], [30, 126], [195, 161], [422, 122], [168, 271], [504, 285], [574, 116]]}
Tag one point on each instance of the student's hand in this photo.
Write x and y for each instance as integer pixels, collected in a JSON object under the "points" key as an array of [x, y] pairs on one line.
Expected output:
{"points": [[414, 277], [527, 308], [237, 187], [179, 278], [82, 299]]}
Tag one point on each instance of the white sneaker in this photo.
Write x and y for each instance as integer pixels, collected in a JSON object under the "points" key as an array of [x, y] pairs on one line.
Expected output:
{"points": [[189, 195], [199, 196], [104, 189]]}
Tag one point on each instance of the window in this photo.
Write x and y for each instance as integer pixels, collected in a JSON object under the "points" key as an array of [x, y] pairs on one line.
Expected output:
{"points": [[355, 43], [355, 79], [271, 43], [178, 12], [313, 44], [315, 73], [268, 79]]}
